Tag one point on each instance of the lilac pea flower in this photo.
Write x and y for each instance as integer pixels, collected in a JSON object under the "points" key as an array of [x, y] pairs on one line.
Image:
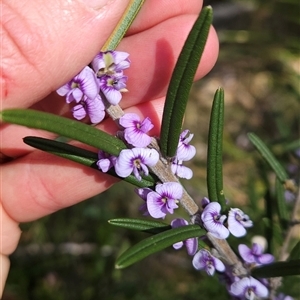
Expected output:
{"points": [[213, 221], [164, 199], [143, 192], [112, 87], [255, 254], [85, 83], [185, 151], [238, 221], [191, 244], [203, 260], [136, 160], [105, 161], [110, 62], [181, 171], [249, 288], [94, 108], [135, 130]]}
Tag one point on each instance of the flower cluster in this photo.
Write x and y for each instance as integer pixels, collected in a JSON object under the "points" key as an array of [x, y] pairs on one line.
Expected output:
{"points": [[103, 81], [100, 85]]}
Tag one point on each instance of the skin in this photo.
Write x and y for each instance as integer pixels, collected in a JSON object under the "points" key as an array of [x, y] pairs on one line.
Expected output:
{"points": [[45, 44]]}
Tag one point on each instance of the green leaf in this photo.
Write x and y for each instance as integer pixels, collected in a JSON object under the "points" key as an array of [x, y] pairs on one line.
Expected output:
{"points": [[281, 204], [141, 225], [157, 243], [295, 253], [129, 15], [83, 157], [214, 150], [268, 156], [65, 127], [277, 269], [181, 82]]}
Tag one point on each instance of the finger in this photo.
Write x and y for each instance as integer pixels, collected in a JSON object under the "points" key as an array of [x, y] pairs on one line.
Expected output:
{"points": [[36, 39], [153, 55], [4, 268], [46, 43], [10, 233], [9, 238]]}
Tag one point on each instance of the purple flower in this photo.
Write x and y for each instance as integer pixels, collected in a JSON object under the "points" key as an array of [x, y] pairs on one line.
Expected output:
{"points": [[143, 192], [237, 221], [135, 160], [185, 151], [110, 62], [85, 83], [135, 130], [112, 86], [255, 254], [106, 161], [249, 288], [204, 260], [180, 170], [191, 243], [213, 221], [164, 200], [94, 108]]}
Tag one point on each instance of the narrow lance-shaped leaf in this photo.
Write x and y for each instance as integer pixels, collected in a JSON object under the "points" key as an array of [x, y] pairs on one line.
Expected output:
{"points": [[181, 82], [140, 225], [82, 156], [157, 243], [65, 127], [214, 150], [128, 16], [268, 156], [277, 269]]}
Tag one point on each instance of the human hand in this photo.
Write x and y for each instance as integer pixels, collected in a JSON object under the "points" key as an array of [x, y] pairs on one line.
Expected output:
{"points": [[44, 45]]}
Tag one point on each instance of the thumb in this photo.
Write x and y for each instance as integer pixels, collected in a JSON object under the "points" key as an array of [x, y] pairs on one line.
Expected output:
{"points": [[45, 43]]}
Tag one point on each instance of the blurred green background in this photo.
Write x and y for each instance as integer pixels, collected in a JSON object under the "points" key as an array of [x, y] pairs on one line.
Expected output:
{"points": [[71, 254]]}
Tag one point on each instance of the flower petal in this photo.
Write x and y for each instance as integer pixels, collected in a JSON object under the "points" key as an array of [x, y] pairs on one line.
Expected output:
{"points": [[154, 205], [129, 120], [112, 95], [95, 109], [172, 190], [191, 245], [124, 165], [246, 254], [78, 112], [178, 245]]}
